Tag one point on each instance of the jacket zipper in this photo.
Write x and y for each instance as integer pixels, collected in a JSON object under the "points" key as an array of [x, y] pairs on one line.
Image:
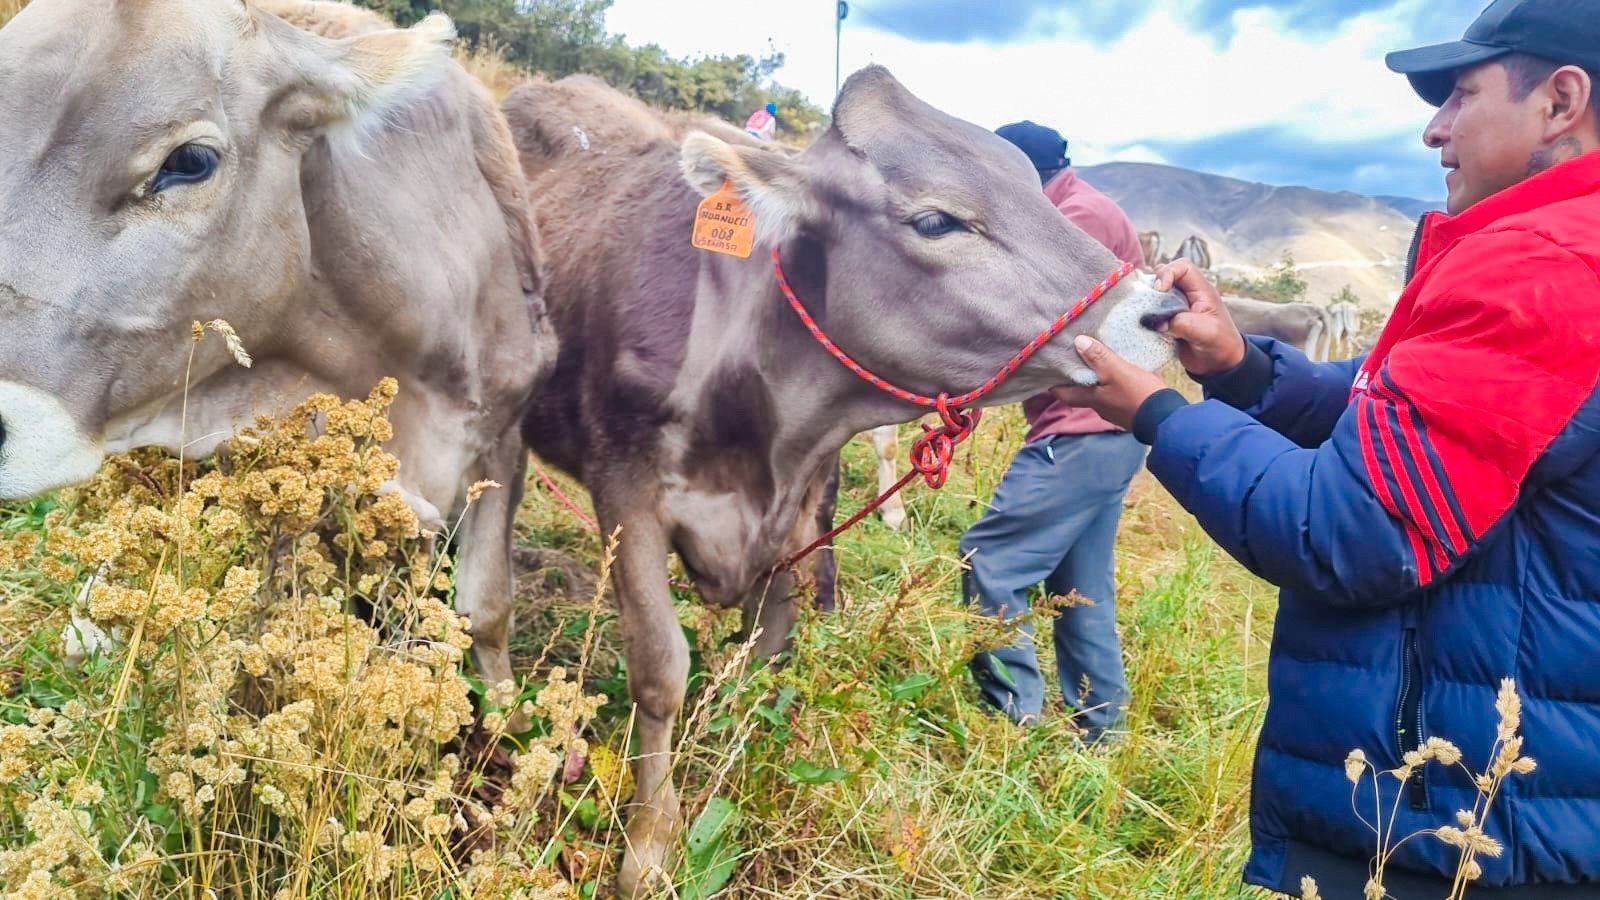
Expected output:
{"points": [[1416, 243], [1408, 717]]}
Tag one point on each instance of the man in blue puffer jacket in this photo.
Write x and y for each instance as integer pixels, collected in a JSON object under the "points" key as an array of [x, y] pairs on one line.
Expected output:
{"points": [[1431, 510]]}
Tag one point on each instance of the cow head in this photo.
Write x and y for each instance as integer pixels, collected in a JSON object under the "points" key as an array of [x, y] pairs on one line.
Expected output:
{"points": [[942, 256], [150, 161]]}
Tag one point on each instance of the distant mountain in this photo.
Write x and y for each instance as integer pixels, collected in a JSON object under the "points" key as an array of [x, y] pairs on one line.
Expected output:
{"points": [[1336, 238], [1411, 209]]}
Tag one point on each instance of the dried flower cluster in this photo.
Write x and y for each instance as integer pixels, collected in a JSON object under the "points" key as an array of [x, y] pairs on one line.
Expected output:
{"points": [[277, 685]]}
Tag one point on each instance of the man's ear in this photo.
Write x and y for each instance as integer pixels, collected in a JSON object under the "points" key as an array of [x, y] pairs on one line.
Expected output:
{"points": [[1571, 102], [771, 184], [354, 81]]}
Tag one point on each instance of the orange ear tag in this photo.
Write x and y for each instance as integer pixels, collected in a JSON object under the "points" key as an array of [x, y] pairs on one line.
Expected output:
{"points": [[724, 224]]}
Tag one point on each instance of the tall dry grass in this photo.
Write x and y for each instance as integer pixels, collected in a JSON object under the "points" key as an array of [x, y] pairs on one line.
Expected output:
{"points": [[273, 700], [268, 696], [487, 64], [9, 8]]}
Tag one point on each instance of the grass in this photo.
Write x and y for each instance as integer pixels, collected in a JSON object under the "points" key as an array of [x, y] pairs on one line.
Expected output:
{"points": [[863, 768]]}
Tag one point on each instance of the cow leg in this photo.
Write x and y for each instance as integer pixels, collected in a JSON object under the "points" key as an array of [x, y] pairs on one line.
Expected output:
{"points": [[658, 673], [771, 608], [885, 440], [1315, 347], [825, 569], [773, 605], [484, 578]]}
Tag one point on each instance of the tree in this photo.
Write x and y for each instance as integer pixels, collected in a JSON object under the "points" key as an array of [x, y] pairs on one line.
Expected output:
{"points": [[1282, 283], [558, 38]]}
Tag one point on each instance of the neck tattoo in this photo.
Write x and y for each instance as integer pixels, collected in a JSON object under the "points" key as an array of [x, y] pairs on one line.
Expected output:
{"points": [[1567, 148]]}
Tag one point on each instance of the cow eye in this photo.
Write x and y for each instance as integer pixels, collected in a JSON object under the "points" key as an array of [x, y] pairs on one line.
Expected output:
{"points": [[936, 224], [189, 164]]}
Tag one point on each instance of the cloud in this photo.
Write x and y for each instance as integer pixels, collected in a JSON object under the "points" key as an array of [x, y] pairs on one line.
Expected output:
{"points": [[1162, 87], [962, 21], [1395, 165]]}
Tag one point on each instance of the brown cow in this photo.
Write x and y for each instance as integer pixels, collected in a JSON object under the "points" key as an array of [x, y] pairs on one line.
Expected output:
{"points": [[349, 199], [1304, 325], [702, 417]]}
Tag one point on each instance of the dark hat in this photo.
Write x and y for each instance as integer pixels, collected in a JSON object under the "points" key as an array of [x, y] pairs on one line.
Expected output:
{"points": [[1562, 31], [1045, 147]]}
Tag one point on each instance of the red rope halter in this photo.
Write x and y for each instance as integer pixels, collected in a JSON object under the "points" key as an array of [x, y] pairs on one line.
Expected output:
{"points": [[932, 452]]}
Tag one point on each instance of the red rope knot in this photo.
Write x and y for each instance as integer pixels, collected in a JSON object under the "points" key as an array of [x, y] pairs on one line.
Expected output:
{"points": [[932, 453]]}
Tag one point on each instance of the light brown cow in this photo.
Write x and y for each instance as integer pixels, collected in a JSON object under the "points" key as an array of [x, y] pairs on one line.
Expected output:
{"points": [[695, 407], [349, 200], [1304, 325]]}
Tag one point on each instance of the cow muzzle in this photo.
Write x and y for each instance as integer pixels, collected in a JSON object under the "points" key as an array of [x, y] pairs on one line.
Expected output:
{"points": [[41, 445], [1133, 327], [1166, 309]]}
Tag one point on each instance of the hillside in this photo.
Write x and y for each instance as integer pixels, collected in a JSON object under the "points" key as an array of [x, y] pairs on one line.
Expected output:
{"points": [[1336, 238]]}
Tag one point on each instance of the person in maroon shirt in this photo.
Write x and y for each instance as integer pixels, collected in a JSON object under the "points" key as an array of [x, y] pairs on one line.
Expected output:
{"points": [[1054, 517]]}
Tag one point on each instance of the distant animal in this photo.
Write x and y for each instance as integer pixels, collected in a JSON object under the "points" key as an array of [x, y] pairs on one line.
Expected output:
{"points": [[1197, 251], [886, 445], [1304, 325], [1344, 325], [1150, 243]]}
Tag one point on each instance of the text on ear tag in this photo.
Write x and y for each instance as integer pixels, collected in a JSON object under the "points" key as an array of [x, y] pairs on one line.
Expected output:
{"points": [[724, 224]]}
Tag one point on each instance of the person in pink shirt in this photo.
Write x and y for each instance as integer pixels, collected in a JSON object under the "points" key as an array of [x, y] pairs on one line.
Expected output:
{"points": [[763, 123], [1053, 519]]}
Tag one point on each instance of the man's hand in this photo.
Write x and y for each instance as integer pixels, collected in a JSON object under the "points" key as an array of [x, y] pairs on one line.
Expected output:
{"points": [[1208, 341], [1123, 386]]}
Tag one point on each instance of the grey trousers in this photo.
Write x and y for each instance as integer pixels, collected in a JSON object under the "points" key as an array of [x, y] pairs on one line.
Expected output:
{"points": [[1054, 520]]}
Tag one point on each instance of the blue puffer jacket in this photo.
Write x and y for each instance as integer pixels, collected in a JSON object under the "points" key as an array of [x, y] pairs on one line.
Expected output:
{"points": [[1432, 514]]}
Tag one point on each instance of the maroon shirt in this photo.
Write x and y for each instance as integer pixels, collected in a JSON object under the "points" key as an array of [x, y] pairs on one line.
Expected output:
{"points": [[1103, 220]]}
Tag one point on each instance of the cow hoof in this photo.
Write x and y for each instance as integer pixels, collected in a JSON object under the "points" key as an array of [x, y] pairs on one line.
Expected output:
{"points": [[642, 874], [894, 518], [644, 863], [518, 722]]}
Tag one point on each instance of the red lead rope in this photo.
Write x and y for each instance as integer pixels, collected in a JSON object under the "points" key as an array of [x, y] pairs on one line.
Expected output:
{"points": [[932, 452]]}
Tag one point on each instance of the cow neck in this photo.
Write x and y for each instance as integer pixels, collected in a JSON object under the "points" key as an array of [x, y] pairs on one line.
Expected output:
{"points": [[819, 404]]}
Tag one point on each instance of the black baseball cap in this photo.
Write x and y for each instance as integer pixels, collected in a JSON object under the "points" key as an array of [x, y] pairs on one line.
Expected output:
{"points": [[1562, 31], [1045, 147]]}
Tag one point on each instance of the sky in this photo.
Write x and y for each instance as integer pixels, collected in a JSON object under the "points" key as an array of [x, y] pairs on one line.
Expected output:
{"points": [[1287, 92]]}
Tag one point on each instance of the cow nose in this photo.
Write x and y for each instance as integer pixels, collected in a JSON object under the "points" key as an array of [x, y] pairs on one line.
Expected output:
{"points": [[1159, 318]]}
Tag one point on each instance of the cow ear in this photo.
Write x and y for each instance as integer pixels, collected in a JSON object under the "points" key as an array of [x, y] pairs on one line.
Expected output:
{"points": [[355, 81], [771, 184]]}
